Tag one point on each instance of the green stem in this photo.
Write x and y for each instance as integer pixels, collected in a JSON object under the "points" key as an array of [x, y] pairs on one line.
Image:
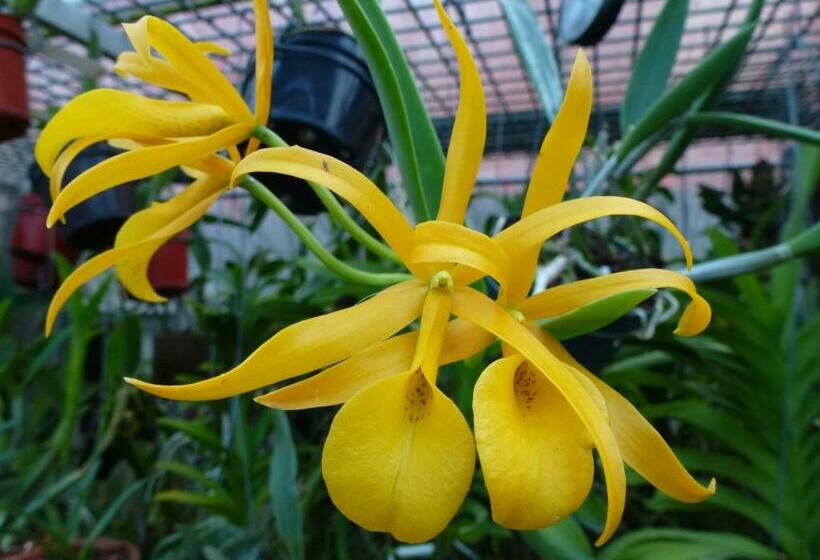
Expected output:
{"points": [[803, 244], [334, 208], [263, 194]]}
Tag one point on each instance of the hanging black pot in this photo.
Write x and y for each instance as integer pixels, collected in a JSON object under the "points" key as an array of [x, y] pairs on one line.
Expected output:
{"points": [[585, 22], [322, 98], [93, 224]]}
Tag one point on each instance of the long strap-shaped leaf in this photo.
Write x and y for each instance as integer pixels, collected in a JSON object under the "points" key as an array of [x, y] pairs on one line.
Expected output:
{"points": [[680, 140], [535, 53], [680, 97], [655, 62], [418, 151]]}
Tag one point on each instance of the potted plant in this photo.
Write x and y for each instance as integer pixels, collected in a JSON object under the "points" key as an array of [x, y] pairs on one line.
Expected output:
{"points": [[94, 223], [322, 98], [14, 115], [32, 245]]}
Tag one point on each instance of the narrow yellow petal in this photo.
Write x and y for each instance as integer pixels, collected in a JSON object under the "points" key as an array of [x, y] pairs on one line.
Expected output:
{"points": [[550, 174], [157, 72], [209, 47], [189, 60], [446, 243], [338, 383], [141, 163], [564, 298], [264, 67], [479, 309], [399, 458], [102, 262], [127, 115], [65, 158], [435, 315], [469, 130], [132, 271], [343, 180], [535, 454], [643, 448], [308, 345], [532, 231]]}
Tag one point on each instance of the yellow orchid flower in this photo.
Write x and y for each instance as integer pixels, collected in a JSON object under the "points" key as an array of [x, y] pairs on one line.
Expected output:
{"points": [[169, 133], [146, 231], [156, 135], [399, 456]]}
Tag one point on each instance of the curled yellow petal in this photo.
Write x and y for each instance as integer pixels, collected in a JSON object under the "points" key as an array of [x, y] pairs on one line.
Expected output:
{"points": [[140, 163], [564, 298], [479, 309], [643, 448], [132, 271], [446, 243], [343, 180], [469, 130], [338, 383], [535, 453], [532, 231], [399, 458], [553, 165], [102, 262], [65, 158], [264, 67], [308, 345], [189, 60], [127, 115]]}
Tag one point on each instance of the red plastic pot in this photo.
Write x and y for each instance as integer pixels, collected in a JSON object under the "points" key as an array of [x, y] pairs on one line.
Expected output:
{"points": [[13, 95], [32, 245], [31, 238], [168, 269], [34, 274]]}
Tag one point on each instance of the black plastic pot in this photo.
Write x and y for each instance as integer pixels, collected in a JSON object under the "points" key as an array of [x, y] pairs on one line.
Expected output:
{"points": [[585, 22], [322, 98], [94, 223]]}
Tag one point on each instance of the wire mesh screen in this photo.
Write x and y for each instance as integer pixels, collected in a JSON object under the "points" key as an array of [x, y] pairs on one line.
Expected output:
{"points": [[780, 77]]}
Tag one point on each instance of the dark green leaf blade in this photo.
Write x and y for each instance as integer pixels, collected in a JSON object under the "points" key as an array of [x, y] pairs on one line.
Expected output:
{"points": [[535, 54], [595, 315], [655, 62]]}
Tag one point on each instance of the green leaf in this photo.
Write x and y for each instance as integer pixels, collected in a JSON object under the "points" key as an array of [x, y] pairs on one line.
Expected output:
{"points": [[769, 127], [683, 136], [655, 62], [411, 131], [562, 541], [191, 473], [536, 55], [684, 544], [283, 484], [105, 519], [595, 315], [804, 182], [215, 503], [679, 98], [195, 431]]}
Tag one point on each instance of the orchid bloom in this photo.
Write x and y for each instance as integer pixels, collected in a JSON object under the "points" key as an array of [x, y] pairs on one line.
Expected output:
{"points": [[157, 135], [399, 456]]}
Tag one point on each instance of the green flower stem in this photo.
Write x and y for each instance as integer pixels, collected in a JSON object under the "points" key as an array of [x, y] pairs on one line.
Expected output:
{"points": [[800, 245], [263, 194], [334, 207]]}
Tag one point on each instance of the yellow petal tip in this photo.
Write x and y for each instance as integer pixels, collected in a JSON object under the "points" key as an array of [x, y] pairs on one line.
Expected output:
{"points": [[712, 488]]}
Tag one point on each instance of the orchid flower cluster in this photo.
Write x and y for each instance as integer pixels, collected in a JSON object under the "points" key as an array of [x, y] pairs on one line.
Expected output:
{"points": [[399, 456]]}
